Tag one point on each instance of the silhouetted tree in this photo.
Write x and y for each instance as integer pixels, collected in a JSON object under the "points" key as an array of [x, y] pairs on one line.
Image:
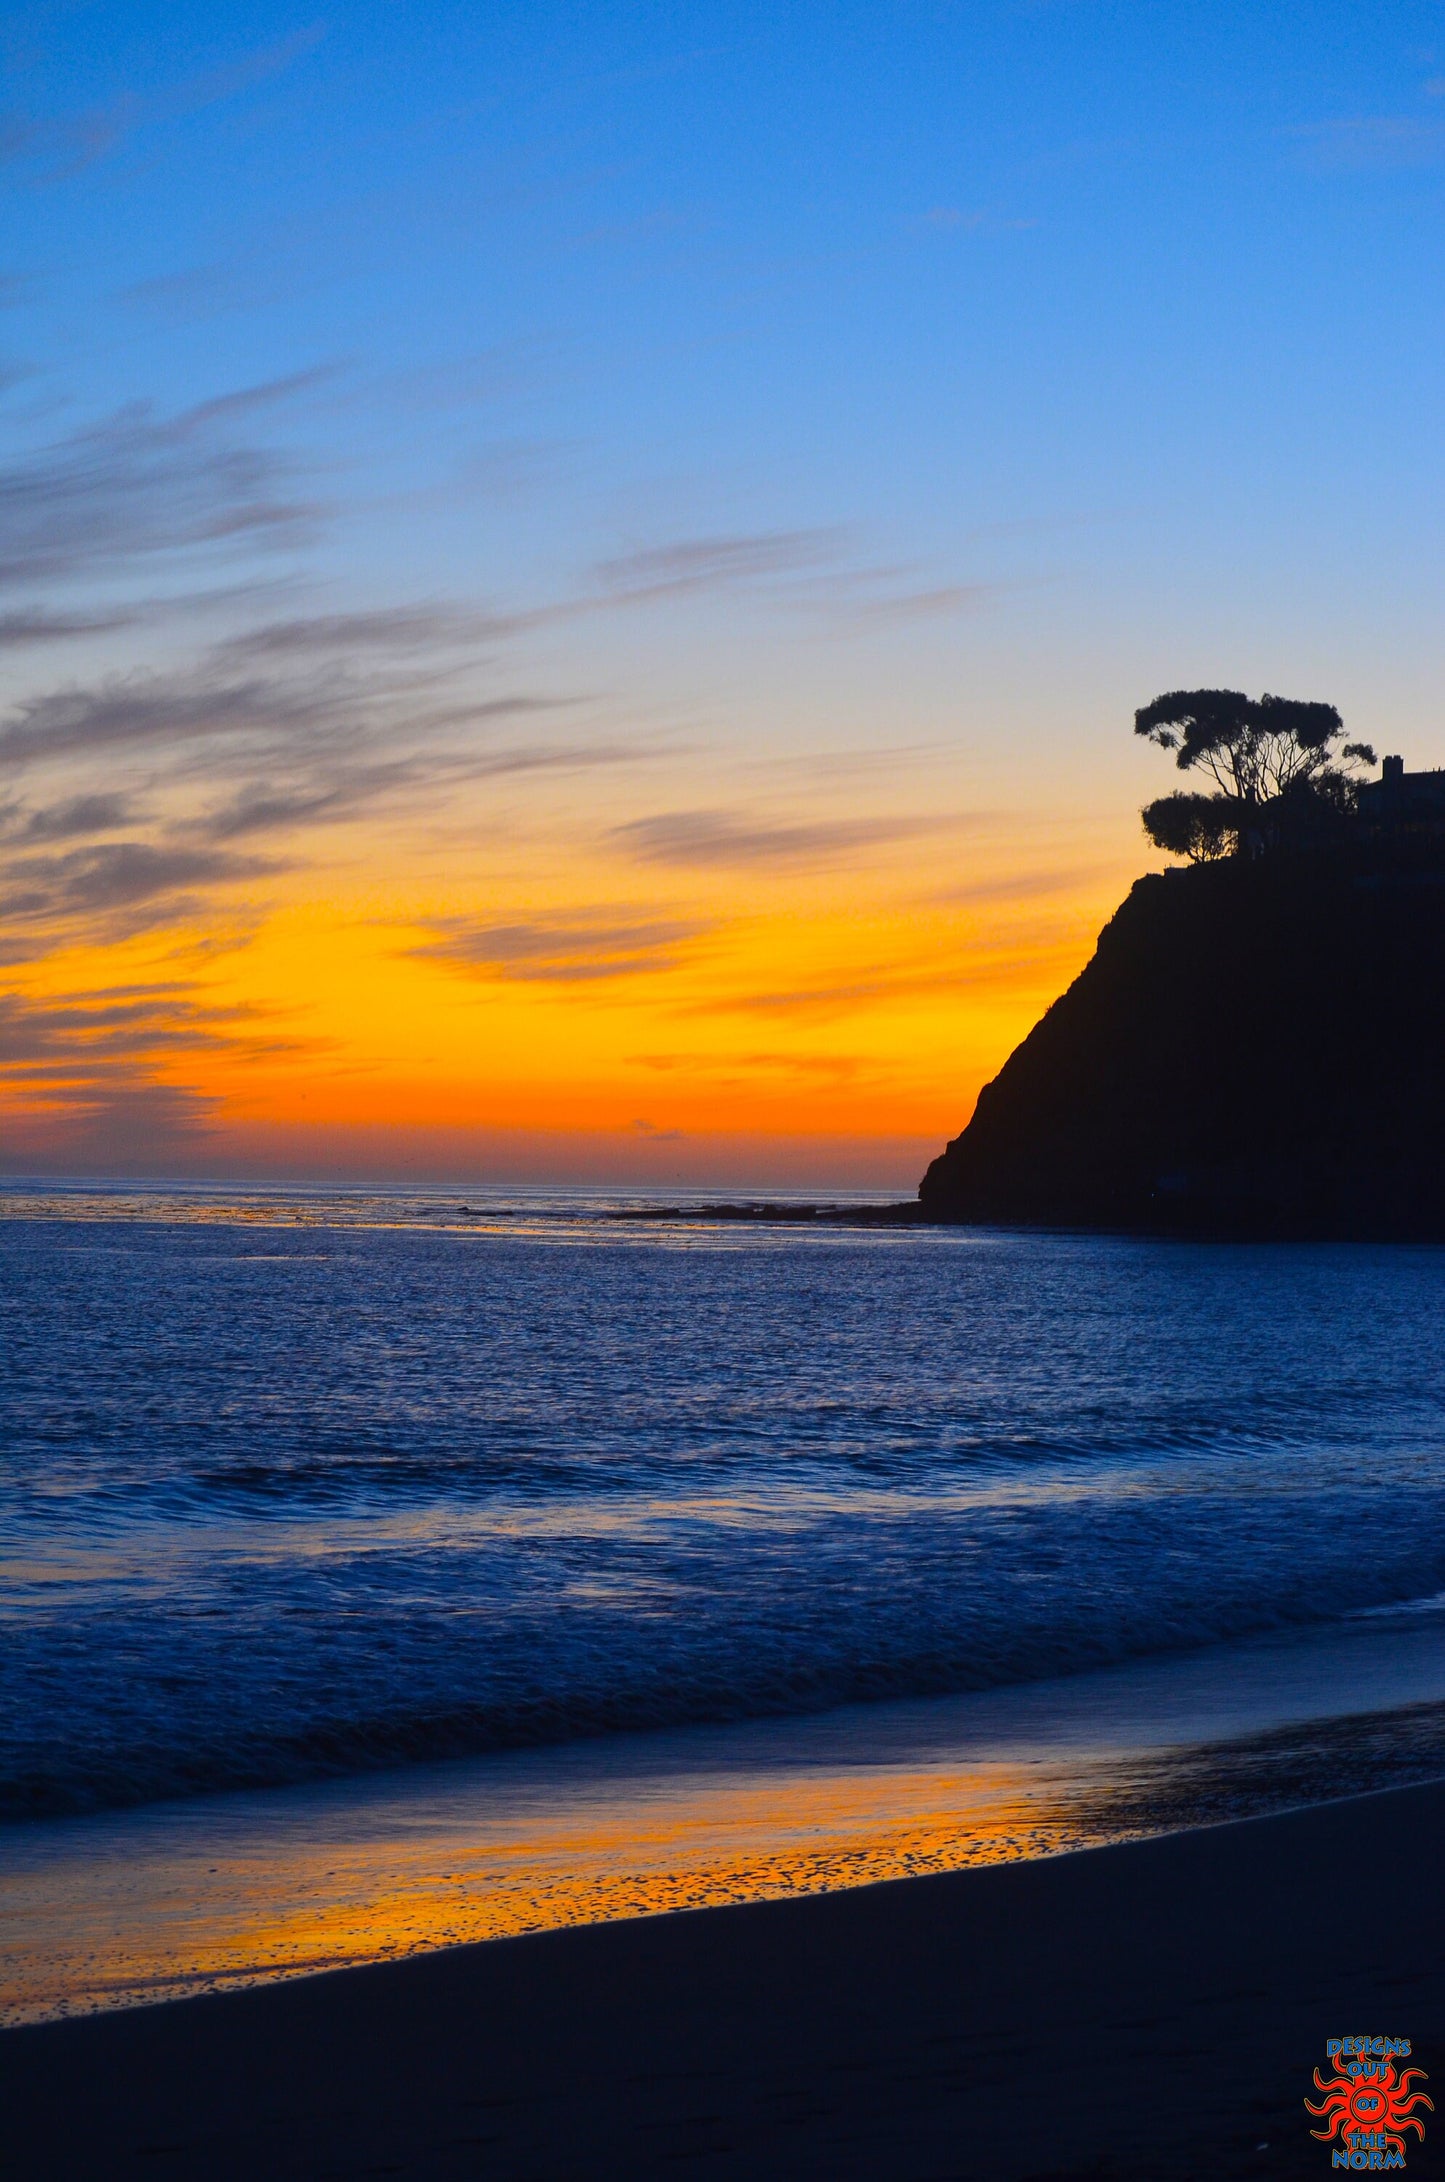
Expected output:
{"points": [[1203, 828], [1273, 760]]}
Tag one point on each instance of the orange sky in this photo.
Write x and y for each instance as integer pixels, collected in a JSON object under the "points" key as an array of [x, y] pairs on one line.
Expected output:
{"points": [[695, 964], [573, 590]]}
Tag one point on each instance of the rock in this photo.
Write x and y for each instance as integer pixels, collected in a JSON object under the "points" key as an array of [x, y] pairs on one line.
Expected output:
{"points": [[1256, 1048]]}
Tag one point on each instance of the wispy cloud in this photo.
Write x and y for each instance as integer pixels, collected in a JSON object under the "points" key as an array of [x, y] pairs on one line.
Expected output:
{"points": [[811, 766], [196, 292], [294, 722], [263, 808], [265, 715], [76, 815], [148, 884], [291, 725], [928, 603], [815, 571], [338, 790], [731, 839], [394, 630], [117, 1121], [55, 146], [1023, 886], [824, 999], [577, 948], [134, 712], [138, 486], [810, 1067], [714, 563], [35, 625], [88, 1076], [169, 797], [115, 1023]]}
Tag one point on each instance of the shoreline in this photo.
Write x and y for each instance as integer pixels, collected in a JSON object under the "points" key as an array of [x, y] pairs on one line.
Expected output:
{"points": [[217, 1892], [993, 2022], [174, 1899]]}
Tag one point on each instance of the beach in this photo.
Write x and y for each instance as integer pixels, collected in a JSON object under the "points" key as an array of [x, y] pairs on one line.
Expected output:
{"points": [[722, 1093], [1149, 2010], [537, 1696]]}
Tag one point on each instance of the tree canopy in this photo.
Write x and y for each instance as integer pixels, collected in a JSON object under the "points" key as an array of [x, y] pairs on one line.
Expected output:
{"points": [[1276, 762]]}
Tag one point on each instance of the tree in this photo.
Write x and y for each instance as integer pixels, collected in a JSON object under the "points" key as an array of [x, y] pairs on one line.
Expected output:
{"points": [[1203, 828], [1273, 761]]}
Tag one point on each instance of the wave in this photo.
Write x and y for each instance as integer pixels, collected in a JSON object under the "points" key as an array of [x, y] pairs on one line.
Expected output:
{"points": [[273, 1515]]}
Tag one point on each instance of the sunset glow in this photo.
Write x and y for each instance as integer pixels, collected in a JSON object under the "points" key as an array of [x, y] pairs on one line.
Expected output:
{"points": [[555, 626], [475, 1862]]}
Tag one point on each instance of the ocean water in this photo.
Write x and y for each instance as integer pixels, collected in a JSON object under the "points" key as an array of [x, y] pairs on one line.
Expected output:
{"points": [[298, 1486]]}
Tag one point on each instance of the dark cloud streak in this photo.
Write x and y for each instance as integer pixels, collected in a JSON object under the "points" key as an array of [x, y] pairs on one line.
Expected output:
{"points": [[86, 814], [575, 949], [320, 709], [392, 630], [87, 1077], [720, 838], [95, 882], [137, 486], [883, 983], [705, 564], [35, 625]]}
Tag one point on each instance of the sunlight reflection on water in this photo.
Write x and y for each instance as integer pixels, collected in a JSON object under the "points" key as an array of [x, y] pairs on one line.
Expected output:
{"points": [[222, 1891]]}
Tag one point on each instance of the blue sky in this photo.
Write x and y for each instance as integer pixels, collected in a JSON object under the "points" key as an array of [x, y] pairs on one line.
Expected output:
{"points": [[1166, 276], [1163, 278], [750, 385]]}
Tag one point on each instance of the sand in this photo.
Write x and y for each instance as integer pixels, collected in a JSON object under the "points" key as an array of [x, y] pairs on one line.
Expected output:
{"points": [[1141, 2012]]}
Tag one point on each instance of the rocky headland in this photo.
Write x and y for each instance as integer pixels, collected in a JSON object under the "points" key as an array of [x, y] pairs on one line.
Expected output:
{"points": [[1256, 1048]]}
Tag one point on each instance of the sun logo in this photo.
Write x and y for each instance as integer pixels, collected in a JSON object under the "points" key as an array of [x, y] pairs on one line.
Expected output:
{"points": [[1368, 2103]]}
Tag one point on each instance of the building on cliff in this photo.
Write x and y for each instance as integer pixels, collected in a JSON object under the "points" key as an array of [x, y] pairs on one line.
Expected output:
{"points": [[1403, 800]]}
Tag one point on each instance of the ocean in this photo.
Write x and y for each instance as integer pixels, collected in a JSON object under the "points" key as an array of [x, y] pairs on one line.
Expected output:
{"points": [[335, 1495]]}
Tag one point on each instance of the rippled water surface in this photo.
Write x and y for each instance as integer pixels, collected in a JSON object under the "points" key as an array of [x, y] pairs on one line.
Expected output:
{"points": [[299, 1485]]}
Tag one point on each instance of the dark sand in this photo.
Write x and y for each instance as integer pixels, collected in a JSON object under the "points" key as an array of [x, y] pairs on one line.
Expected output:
{"points": [[1146, 2012]]}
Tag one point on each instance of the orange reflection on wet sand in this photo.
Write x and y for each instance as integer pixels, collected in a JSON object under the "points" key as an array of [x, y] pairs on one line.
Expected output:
{"points": [[135, 1910], [218, 1891]]}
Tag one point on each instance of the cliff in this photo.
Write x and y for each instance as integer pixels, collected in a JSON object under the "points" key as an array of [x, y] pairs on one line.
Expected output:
{"points": [[1256, 1048]]}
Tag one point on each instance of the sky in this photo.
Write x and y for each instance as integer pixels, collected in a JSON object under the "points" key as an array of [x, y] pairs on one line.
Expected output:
{"points": [[574, 579]]}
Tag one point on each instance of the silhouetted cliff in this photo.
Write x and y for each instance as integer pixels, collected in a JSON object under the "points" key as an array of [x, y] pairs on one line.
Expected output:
{"points": [[1256, 1048]]}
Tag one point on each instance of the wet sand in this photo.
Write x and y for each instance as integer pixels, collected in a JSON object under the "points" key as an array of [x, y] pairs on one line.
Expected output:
{"points": [[212, 1893], [1146, 2011]]}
